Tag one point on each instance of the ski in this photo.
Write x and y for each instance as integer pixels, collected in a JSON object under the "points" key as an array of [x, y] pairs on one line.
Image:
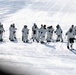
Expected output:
{"points": [[73, 50]]}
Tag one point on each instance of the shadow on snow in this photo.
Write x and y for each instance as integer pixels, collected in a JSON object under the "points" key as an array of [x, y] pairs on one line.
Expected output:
{"points": [[74, 51], [51, 46]]}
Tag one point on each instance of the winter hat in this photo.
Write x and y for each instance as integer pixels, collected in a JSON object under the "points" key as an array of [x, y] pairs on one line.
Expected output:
{"points": [[25, 26]]}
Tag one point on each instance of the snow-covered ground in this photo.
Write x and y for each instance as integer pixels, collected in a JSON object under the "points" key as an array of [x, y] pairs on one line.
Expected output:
{"points": [[50, 59]]}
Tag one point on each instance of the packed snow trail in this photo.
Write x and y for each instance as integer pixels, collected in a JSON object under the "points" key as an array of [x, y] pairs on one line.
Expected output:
{"points": [[49, 58]]}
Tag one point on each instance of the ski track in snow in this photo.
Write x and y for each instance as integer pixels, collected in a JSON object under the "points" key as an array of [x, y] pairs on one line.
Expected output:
{"points": [[39, 56]]}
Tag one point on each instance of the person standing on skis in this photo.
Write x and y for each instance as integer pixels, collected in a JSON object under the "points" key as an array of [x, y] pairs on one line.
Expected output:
{"points": [[39, 33], [14, 33], [59, 33], [34, 32], [1, 32], [12, 29], [70, 38], [25, 32], [50, 30], [43, 32]]}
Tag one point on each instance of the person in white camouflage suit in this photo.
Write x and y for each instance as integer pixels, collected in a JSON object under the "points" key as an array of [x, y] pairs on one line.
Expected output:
{"points": [[39, 33], [70, 38], [25, 32], [59, 33], [50, 31], [1, 32], [12, 30], [34, 32], [43, 33], [75, 29]]}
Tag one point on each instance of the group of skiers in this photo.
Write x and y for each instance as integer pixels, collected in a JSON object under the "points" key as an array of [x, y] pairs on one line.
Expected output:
{"points": [[42, 34], [39, 34]]}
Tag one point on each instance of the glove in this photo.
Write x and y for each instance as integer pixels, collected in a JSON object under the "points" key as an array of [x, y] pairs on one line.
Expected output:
{"points": [[66, 34], [54, 31], [58, 35], [61, 31]]}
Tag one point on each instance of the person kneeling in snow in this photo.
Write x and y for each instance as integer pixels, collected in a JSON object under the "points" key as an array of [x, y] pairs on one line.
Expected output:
{"points": [[59, 33], [12, 36], [25, 32], [1, 32], [49, 33], [70, 37]]}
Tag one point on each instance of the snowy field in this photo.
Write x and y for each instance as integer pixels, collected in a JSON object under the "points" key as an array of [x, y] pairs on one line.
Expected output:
{"points": [[35, 58]]}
